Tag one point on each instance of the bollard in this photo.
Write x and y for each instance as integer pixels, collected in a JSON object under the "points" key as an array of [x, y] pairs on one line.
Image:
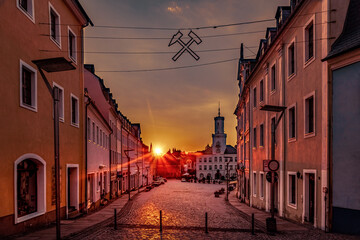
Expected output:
{"points": [[160, 221], [206, 223], [115, 224], [252, 224]]}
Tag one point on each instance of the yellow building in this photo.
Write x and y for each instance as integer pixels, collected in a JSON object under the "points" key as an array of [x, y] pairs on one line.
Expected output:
{"points": [[32, 30]]}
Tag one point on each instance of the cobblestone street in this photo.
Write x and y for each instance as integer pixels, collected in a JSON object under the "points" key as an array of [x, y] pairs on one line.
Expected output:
{"points": [[183, 208]]}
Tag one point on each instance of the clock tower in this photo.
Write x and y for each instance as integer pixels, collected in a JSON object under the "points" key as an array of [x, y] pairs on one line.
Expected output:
{"points": [[219, 137]]}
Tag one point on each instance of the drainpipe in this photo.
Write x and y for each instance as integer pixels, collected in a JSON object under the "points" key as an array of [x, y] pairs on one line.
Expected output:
{"points": [[86, 151], [111, 185], [284, 131]]}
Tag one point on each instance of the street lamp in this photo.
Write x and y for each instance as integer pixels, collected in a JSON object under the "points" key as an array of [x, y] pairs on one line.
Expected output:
{"points": [[51, 65], [227, 178], [128, 157], [271, 222]]}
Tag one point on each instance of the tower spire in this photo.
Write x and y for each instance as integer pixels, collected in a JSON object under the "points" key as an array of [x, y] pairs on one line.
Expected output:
{"points": [[219, 110]]}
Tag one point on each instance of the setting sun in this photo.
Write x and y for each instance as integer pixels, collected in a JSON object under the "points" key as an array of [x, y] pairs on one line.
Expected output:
{"points": [[158, 151]]}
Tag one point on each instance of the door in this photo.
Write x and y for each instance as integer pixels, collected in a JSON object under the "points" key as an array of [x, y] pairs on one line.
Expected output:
{"points": [[311, 202]]}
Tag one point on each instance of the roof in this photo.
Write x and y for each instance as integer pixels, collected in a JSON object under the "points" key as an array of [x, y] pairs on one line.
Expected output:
{"points": [[349, 39], [208, 150], [83, 12], [230, 150]]}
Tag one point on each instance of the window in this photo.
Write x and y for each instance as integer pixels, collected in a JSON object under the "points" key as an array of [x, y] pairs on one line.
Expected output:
{"points": [[292, 188], [261, 90], [74, 111], [200, 167], [261, 135], [89, 128], [292, 122], [29, 187], [61, 101], [215, 159], [205, 159], [254, 185], [104, 140], [97, 134], [93, 131], [254, 138], [27, 7], [72, 45], [309, 115], [215, 167], [210, 167], [225, 159], [231, 159], [101, 138], [28, 87], [220, 167], [273, 127], [199, 159], [309, 41], [220, 159], [204, 167], [261, 185], [210, 159], [54, 26], [231, 167], [291, 59], [273, 78], [254, 91]]}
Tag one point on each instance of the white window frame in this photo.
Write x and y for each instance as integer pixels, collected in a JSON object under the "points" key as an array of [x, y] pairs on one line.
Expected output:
{"points": [[41, 188], [56, 41], [62, 112], [263, 124], [292, 205], [77, 123], [31, 13], [261, 185], [34, 86], [307, 135], [307, 62], [74, 59], [293, 139], [291, 75], [263, 91], [254, 188], [272, 91]]}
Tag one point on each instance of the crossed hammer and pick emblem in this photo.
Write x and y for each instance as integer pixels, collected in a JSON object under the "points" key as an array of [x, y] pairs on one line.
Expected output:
{"points": [[185, 46]]}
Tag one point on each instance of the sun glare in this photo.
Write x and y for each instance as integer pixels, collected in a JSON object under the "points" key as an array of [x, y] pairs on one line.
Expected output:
{"points": [[158, 151]]}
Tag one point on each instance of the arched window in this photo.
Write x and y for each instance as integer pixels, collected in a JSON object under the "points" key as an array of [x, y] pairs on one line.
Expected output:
{"points": [[29, 187]]}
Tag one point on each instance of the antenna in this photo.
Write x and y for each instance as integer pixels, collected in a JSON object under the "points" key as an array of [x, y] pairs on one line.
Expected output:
{"points": [[219, 109]]}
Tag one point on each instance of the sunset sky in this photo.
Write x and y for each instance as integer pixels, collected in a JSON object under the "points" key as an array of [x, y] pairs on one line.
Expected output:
{"points": [[175, 107]]}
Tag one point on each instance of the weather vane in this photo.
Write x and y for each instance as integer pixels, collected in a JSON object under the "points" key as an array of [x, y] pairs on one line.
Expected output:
{"points": [[185, 46]]}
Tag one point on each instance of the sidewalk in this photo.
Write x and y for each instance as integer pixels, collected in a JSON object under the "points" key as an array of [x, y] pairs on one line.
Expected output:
{"points": [[72, 226], [260, 216]]}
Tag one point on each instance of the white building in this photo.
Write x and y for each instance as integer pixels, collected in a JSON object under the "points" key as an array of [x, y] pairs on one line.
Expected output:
{"points": [[213, 162]]}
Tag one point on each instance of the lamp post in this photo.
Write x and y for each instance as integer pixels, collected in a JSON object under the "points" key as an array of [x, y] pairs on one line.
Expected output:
{"points": [[227, 178], [271, 222], [128, 157], [51, 65]]}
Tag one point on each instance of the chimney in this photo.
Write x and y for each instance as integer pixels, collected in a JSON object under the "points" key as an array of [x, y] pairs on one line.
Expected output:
{"points": [[242, 51]]}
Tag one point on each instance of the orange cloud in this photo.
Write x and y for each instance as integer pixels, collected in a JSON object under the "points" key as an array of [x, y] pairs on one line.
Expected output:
{"points": [[174, 8]]}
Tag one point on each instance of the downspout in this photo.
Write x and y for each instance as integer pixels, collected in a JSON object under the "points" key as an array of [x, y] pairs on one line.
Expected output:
{"points": [[328, 203], [86, 151], [110, 146], [284, 131]]}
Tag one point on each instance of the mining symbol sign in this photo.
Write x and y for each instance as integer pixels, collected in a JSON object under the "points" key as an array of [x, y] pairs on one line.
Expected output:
{"points": [[185, 46]]}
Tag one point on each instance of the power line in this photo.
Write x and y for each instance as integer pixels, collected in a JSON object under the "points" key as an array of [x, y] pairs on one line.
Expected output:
{"points": [[166, 69], [144, 53], [160, 38], [173, 29]]}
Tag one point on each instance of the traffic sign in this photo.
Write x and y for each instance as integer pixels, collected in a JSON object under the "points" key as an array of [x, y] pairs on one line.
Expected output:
{"points": [[268, 177], [273, 165]]}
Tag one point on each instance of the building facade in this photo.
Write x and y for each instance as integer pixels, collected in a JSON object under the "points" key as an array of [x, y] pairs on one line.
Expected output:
{"points": [[37, 30], [288, 71], [219, 160]]}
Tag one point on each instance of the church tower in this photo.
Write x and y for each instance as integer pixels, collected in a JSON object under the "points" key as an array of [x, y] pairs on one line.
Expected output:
{"points": [[219, 138]]}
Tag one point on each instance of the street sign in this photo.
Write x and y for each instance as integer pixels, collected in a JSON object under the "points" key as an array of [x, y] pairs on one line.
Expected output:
{"points": [[266, 165], [273, 165], [268, 177]]}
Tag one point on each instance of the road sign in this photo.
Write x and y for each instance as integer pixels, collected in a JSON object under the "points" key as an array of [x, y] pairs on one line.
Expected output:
{"points": [[273, 165], [185, 46], [266, 165], [268, 177]]}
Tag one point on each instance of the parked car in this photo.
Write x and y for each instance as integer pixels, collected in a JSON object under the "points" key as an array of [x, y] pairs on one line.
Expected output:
{"points": [[156, 183], [183, 180]]}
